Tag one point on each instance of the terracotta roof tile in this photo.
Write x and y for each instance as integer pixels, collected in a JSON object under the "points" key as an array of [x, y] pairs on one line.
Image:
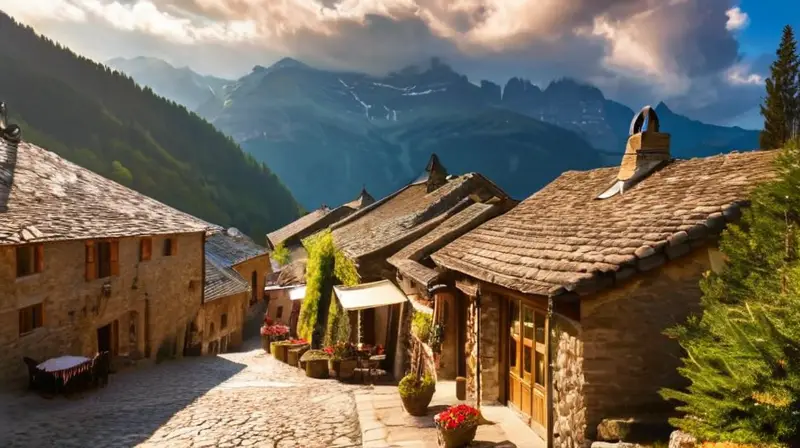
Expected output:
{"points": [[44, 197], [564, 239]]}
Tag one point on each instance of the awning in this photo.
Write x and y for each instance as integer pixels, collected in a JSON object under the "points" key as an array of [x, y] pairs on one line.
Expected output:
{"points": [[298, 293], [369, 295]]}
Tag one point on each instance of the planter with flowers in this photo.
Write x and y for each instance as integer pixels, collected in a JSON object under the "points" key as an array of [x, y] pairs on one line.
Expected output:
{"points": [[416, 393], [294, 354], [316, 362], [289, 344], [271, 332], [342, 361], [457, 425]]}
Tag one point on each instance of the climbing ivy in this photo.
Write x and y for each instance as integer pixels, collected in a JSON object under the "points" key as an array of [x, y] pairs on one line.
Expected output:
{"points": [[325, 267], [281, 254]]}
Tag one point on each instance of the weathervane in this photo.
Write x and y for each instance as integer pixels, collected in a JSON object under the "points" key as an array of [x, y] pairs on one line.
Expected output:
{"points": [[10, 132]]}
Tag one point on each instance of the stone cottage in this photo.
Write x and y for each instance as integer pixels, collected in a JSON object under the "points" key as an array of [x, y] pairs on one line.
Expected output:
{"points": [[87, 264], [286, 293], [436, 207], [233, 253], [569, 293], [292, 234]]}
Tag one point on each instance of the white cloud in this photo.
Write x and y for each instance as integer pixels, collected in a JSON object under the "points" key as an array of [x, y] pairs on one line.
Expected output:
{"points": [[738, 76], [737, 19]]}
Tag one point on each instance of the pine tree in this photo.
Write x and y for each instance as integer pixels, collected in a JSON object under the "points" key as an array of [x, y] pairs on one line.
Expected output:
{"points": [[781, 108], [743, 353]]}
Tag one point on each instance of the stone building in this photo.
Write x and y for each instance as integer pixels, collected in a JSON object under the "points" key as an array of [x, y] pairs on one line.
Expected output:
{"points": [[292, 234], [394, 236], [87, 264], [286, 293], [233, 257], [569, 293]]}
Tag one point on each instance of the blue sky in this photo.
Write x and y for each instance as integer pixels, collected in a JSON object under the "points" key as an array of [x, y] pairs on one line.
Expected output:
{"points": [[767, 19], [706, 59]]}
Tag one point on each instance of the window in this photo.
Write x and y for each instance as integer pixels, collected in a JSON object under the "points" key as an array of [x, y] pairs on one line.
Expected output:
{"points": [[145, 249], [30, 318], [102, 259], [223, 321], [254, 287], [279, 312], [30, 260], [170, 247]]}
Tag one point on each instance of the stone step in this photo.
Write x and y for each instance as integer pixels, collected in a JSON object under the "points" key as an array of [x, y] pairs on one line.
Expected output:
{"points": [[651, 428]]}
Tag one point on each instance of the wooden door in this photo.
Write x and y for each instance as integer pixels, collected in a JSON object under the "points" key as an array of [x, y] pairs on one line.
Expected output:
{"points": [[527, 360]]}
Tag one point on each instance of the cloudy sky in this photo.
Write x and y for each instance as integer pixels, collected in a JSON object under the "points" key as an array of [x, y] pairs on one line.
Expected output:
{"points": [[705, 58]]}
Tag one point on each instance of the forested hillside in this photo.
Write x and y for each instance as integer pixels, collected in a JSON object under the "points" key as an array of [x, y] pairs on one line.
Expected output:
{"points": [[103, 121]]}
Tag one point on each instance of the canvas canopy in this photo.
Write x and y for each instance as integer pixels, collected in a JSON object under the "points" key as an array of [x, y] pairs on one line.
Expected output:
{"points": [[369, 295], [298, 293]]}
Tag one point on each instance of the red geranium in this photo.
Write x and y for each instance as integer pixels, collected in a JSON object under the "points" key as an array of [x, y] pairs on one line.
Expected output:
{"points": [[297, 341], [274, 330], [268, 321], [457, 416]]}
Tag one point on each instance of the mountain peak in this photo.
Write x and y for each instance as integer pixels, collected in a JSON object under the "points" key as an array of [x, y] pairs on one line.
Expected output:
{"points": [[570, 86], [288, 63], [661, 108]]}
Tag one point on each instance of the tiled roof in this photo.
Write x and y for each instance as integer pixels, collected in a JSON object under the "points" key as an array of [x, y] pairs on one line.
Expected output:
{"points": [[308, 224], [43, 197], [408, 260], [408, 212], [232, 247], [364, 199], [564, 239], [222, 281]]}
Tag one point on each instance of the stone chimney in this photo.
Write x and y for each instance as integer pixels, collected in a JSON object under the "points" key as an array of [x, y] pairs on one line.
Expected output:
{"points": [[10, 132], [647, 149], [437, 173]]}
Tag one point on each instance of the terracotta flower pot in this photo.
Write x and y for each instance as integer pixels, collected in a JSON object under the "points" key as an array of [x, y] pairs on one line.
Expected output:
{"points": [[417, 405], [459, 437]]}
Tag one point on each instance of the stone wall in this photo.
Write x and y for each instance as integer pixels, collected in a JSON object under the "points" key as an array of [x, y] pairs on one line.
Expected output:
{"points": [[261, 266], [209, 321], [490, 332], [569, 409], [627, 358], [152, 302]]}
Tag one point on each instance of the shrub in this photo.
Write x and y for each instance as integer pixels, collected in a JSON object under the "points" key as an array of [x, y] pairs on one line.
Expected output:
{"points": [[421, 326], [411, 385], [315, 355], [281, 254]]}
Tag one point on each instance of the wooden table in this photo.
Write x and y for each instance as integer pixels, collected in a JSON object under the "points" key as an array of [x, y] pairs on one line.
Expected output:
{"points": [[64, 368]]}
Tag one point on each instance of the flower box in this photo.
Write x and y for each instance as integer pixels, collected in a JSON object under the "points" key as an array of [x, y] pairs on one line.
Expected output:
{"points": [[316, 363], [294, 354]]}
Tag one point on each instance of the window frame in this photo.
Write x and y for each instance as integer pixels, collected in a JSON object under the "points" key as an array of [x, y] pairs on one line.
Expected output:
{"points": [[168, 247], [35, 263], [35, 319], [145, 249], [223, 321]]}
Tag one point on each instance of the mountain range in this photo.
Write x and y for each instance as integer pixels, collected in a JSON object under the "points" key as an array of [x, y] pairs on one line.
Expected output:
{"points": [[327, 133], [103, 121]]}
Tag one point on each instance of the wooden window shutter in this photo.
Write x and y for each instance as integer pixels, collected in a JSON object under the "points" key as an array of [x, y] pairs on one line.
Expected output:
{"points": [[91, 269], [114, 246], [39, 257], [174, 246], [146, 249]]}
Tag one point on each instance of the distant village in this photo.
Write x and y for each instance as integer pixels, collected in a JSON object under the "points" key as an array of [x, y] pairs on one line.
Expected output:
{"points": [[554, 306]]}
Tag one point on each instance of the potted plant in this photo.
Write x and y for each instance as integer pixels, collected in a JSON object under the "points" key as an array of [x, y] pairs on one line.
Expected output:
{"points": [[342, 359], [316, 362], [271, 332], [457, 425], [289, 345], [416, 393], [294, 355]]}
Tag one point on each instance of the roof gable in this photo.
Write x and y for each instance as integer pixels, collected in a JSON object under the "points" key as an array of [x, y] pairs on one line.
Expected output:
{"points": [[222, 281], [564, 239], [44, 197]]}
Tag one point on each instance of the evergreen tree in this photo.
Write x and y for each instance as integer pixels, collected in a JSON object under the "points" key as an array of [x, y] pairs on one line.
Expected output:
{"points": [[781, 108], [743, 352]]}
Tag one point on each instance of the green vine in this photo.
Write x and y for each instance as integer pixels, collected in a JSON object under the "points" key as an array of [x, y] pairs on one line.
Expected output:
{"points": [[281, 254], [325, 267]]}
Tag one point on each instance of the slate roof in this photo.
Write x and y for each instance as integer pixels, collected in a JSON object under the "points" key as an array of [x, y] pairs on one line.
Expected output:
{"points": [[293, 273], [409, 261], [408, 213], [222, 281], [564, 239], [233, 247], [43, 197], [317, 220]]}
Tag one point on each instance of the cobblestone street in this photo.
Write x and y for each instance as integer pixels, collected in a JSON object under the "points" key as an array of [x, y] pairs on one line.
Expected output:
{"points": [[235, 399]]}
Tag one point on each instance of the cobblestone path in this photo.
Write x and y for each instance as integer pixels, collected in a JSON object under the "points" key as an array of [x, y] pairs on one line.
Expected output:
{"points": [[234, 399]]}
